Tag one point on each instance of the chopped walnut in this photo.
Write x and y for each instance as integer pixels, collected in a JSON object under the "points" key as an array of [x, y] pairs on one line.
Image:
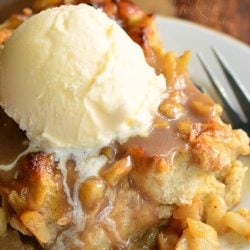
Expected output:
{"points": [[117, 171], [91, 192]]}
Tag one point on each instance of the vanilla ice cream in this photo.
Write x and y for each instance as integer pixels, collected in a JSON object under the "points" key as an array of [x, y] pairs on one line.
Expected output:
{"points": [[72, 78]]}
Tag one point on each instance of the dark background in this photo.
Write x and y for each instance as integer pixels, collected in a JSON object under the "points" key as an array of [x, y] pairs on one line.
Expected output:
{"points": [[229, 16]]}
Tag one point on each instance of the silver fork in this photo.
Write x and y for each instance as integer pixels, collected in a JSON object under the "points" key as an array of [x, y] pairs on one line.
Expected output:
{"points": [[237, 87]]}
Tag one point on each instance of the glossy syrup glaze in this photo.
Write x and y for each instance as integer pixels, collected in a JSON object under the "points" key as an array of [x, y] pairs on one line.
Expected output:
{"points": [[167, 141]]}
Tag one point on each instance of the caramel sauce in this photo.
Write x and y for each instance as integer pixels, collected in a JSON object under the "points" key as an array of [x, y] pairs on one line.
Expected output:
{"points": [[167, 142], [12, 140], [160, 142]]}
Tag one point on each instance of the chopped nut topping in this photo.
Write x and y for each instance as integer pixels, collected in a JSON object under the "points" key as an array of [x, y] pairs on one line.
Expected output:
{"points": [[109, 152], [117, 171], [206, 109], [91, 192], [201, 108], [160, 123], [37, 225], [184, 127], [171, 110]]}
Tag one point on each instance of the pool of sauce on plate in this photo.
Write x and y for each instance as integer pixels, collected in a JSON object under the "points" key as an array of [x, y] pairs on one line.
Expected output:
{"points": [[12, 142]]}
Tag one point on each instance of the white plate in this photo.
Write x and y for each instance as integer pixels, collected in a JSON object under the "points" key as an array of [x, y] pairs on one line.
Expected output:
{"points": [[178, 36]]}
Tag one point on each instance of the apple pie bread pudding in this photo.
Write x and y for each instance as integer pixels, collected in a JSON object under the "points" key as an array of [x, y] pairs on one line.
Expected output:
{"points": [[171, 186]]}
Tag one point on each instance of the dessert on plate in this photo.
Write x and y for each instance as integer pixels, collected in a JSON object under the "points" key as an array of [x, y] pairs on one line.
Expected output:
{"points": [[119, 150]]}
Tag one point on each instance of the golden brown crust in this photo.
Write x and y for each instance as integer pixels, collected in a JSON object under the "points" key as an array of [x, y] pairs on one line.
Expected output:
{"points": [[38, 188], [215, 145]]}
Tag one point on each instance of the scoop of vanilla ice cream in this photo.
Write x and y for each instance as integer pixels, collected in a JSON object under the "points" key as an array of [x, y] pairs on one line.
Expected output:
{"points": [[72, 78]]}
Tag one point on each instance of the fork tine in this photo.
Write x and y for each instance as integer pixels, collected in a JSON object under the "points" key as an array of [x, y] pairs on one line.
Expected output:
{"points": [[198, 86], [233, 116], [237, 87]]}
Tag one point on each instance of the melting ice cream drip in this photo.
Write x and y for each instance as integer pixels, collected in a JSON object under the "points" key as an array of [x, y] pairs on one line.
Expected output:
{"points": [[87, 164]]}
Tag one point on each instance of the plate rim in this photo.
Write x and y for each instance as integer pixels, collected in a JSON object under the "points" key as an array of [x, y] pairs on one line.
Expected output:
{"points": [[225, 36]]}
